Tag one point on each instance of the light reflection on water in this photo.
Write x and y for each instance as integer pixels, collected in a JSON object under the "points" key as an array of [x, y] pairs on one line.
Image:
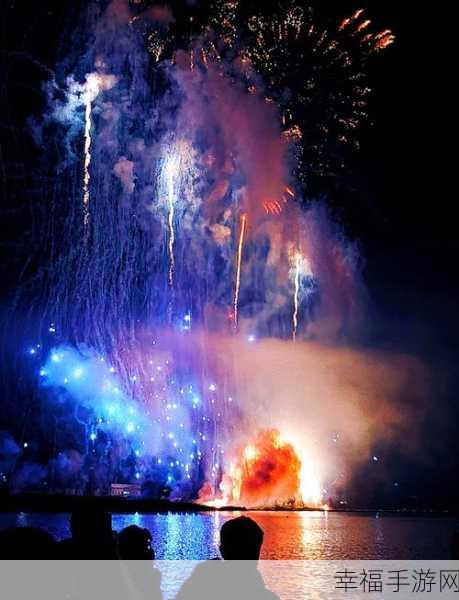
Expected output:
{"points": [[288, 535]]}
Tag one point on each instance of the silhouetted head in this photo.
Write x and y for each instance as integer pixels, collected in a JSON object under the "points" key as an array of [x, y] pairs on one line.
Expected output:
{"points": [[26, 543], [241, 539], [88, 525], [134, 543]]}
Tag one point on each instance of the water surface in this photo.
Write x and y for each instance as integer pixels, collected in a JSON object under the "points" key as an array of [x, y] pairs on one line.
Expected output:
{"points": [[288, 535]]}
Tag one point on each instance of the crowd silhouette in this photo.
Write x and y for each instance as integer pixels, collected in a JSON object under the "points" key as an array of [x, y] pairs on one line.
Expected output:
{"points": [[234, 574]]}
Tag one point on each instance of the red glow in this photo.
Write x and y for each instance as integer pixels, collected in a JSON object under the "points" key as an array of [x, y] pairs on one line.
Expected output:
{"points": [[267, 471]]}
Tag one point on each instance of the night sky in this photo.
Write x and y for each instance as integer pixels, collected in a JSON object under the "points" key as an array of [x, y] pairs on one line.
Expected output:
{"points": [[390, 201]]}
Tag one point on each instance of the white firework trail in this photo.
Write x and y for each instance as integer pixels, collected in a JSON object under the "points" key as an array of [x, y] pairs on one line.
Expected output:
{"points": [[171, 170], [95, 83], [296, 294], [87, 157]]}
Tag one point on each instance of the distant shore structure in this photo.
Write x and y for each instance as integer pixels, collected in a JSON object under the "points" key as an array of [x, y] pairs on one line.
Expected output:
{"points": [[126, 490]]}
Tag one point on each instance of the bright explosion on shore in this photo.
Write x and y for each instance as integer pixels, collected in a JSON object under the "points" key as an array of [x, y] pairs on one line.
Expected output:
{"points": [[267, 472]]}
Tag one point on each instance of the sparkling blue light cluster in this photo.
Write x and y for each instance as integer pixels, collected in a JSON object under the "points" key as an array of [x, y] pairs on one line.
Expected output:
{"points": [[165, 438]]}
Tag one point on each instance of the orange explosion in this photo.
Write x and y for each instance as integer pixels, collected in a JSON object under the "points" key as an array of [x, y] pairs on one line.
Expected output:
{"points": [[266, 472]]}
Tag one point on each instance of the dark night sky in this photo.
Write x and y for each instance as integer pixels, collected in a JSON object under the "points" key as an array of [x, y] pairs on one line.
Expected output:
{"points": [[396, 205]]}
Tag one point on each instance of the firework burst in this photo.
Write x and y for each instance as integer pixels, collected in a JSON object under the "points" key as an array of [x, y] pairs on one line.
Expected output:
{"points": [[315, 71]]}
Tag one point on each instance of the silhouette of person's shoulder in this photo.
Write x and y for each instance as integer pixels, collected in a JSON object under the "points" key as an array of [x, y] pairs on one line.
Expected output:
{"points": [[26, 543], [201, 583], [225, 580], [142, 579]]}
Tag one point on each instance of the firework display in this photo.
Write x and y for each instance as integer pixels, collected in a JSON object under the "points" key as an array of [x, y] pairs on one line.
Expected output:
{"points": [[315, 73], [191, 303]]}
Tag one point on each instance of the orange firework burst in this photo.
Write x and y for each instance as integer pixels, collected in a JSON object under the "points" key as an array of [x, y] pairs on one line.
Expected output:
{"points": [[314, 72], [272, 207], [383, 39], [375, 41], [346, 22], [267, 471], [275, 207]]}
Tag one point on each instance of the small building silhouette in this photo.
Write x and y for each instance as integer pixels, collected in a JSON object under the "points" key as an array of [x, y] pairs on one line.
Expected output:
{"points": [[126, 490]]}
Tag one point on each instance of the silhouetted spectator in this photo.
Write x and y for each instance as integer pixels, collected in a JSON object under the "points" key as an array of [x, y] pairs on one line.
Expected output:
{"points": [[92, 536], [237, 576], [26, 543], [241, 539], [135, 547], [134, 543]]}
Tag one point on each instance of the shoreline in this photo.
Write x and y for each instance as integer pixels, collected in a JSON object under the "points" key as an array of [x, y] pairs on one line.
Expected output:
{"points": [[113, 504]]}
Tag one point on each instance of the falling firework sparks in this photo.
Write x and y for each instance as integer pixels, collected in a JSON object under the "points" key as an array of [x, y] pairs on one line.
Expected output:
{"points": [[296, 295], [171, 242], [170, 173], [238, 268], [176, 176]]}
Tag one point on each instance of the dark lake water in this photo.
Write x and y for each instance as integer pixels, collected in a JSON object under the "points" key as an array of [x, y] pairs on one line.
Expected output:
{"points": [[288, 535]]}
